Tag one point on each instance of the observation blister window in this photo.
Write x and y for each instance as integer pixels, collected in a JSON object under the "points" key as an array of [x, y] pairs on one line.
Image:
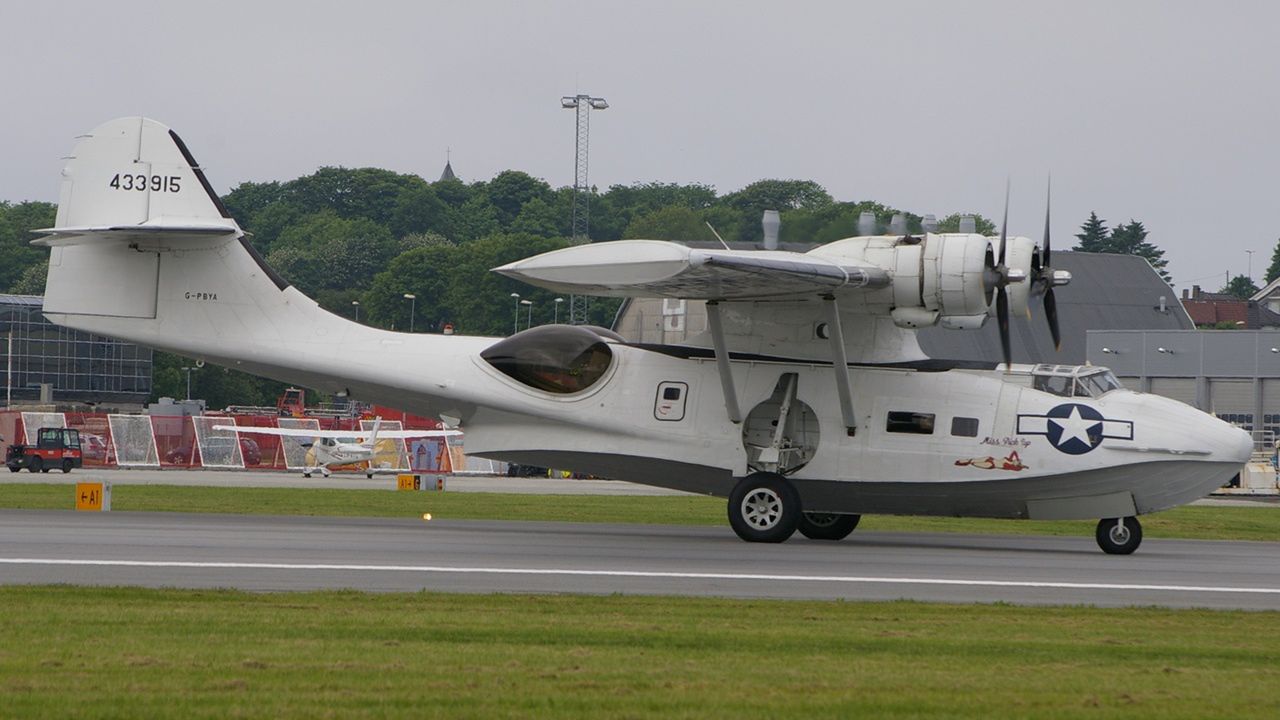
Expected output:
{"points": [[562, 359]]}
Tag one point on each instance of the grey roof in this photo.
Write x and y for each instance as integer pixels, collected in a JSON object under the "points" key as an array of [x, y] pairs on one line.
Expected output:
{"points": [[1107, 292], [448, 172]]}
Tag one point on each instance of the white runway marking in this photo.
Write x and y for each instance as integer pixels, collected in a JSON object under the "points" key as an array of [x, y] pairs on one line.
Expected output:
{"points": [[438, 569]]}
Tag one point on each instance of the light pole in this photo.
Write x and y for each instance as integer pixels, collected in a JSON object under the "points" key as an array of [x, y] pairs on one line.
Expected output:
{"points": [[188, 370], [557, 320], [516, 325], [581, 104], [1251, 252], [528, 323], [413, 305], [356, 305]]}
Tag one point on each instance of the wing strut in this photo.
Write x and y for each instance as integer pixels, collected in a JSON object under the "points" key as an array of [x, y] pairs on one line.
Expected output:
{"points": [[722, 362], [836, 335]]}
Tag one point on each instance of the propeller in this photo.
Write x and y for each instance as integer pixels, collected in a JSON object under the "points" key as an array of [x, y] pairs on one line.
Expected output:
{"points": [[1044, 277], [999, 277]]}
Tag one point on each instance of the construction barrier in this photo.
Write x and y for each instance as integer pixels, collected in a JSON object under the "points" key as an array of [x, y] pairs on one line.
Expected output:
{"points": [[177, 441]]}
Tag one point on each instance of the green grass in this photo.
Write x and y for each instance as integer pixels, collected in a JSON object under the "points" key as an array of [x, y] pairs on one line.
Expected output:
{"points": [[1202, 523], [89, 653], [666, 510]]}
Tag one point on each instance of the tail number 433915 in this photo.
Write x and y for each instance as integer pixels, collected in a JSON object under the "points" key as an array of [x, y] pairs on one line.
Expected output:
{"points": [[154, 183]]}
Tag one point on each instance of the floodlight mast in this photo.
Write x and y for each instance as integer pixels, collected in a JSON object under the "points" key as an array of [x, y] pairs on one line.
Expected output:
{"points": [[582, 104]]}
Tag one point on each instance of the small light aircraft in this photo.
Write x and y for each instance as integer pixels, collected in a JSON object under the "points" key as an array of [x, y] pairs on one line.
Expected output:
{"points": [[333, 448], [807, 402]]}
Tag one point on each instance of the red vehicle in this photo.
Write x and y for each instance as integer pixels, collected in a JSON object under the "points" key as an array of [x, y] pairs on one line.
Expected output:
{"points": [[54, 448]]}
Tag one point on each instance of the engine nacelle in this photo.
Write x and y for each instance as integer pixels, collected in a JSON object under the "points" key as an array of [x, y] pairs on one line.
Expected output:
{"points": [[946, 280]]}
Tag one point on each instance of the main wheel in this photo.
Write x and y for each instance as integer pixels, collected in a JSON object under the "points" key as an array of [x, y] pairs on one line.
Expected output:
{"points": [[67, 465], [37, 464], [764, 507], [1118, 536], [827, 526]]}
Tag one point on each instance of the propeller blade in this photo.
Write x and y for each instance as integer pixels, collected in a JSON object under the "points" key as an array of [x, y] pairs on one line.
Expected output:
{"points": [[1044, 260], [1051, 314], [1002, 317], [1004, 225]]}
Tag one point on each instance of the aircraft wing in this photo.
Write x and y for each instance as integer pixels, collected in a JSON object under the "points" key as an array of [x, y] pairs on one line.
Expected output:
{"points": [[653, 268], [305, 433]]}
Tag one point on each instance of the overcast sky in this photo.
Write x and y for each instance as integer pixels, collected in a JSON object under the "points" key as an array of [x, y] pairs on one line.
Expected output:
{"points": [[1166, 112]]}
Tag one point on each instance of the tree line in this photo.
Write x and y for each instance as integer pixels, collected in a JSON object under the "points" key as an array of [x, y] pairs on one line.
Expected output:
{"points": [[358, 239]]}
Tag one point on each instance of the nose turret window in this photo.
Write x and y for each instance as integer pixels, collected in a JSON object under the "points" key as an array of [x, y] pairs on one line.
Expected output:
{"points": [[556, 358]]}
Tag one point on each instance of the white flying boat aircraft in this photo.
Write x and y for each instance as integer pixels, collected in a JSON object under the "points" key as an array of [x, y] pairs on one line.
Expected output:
{"points": [[334, 448], [807, 403]]}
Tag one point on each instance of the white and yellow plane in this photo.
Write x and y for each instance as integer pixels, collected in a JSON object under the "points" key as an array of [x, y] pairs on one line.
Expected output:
{"points": [[807, 403], [334, 448]]}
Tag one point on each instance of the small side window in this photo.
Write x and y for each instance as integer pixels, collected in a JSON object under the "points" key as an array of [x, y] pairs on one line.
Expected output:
{"points": [[964, 427], [670, 400], [910, 422]]}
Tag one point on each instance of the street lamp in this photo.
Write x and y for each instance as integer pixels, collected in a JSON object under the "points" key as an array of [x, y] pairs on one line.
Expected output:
{"points": [[516, 324], [356, 304], [558, 301], [529, 322], [413, 305], [188, 370]]}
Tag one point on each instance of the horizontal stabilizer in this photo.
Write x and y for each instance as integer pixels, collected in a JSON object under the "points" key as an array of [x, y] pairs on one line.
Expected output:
{"points": [[170, 232], [652, 268]]}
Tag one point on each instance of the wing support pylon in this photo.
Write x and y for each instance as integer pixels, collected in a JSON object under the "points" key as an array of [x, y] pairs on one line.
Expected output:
{"points": [[722, 362], [835, 334]]}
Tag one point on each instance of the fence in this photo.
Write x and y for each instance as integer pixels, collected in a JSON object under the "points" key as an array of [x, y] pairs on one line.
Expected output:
{"points": [[163, 441]]}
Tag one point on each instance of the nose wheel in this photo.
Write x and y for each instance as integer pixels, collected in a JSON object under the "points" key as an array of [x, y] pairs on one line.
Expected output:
{"points": [[1119, 536]]}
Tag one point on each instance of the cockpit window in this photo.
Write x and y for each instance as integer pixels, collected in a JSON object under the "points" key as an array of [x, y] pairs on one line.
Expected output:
{"points": [[1062, 384], [1053, 384], [1100, 383], [556, 358]]}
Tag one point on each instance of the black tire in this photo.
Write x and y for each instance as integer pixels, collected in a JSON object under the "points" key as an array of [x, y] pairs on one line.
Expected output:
{"points": [[37, 464], [764, 507], [827, 526], [66, 466], [1119, 539], [15, 468]]}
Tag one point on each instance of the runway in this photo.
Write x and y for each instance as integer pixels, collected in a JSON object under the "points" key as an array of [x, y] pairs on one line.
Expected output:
{"points": [[267, 553]]}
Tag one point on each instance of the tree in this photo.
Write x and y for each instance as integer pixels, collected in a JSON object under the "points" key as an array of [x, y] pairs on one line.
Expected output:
{"points": [[538, 218], [673, 222], [418, 209], [1273, 271], [248, 198], [324, 251], [511, 189], [17, 225], [1240, 286], [1093, 235], [778, 195], [1131, 239], [951, 223]]}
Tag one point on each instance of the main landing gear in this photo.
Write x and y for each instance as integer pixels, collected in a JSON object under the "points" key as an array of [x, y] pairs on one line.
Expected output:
{"points": [[1119, 536], [764, 507]]}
